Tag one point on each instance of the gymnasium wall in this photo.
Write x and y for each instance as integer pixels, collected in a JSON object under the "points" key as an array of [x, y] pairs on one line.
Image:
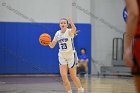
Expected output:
{"points": [[104, 18], [43, 10], [108, 23], [21, 23]]}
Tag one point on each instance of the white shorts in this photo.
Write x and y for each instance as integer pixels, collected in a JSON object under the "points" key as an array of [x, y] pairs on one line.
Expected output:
{"points": [[71, 60]]}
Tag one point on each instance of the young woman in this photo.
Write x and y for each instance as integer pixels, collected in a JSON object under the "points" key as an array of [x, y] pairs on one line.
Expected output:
{"points": [[67, 54], [132, 40]]}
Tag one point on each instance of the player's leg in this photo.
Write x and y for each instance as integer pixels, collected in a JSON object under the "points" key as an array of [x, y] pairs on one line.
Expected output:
{"points": [[133, 16], [136, 54], [132, 22], [72, 64], [75, 79], [136, 66], [63, 73]]}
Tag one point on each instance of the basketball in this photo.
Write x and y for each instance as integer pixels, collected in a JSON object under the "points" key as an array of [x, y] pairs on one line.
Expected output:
{"points": [[45, 39]]}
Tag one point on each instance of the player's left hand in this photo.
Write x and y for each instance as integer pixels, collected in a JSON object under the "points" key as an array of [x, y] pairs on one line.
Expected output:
{"points": [[69, 18]]}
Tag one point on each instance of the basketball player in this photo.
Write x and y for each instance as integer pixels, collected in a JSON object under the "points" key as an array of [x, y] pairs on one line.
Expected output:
{"points": [[67, 54], [132, 40]]}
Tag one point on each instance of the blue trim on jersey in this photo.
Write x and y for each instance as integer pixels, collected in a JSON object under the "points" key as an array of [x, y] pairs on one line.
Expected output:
{"points": [[72, 44], [60, 63], [74, 61]]}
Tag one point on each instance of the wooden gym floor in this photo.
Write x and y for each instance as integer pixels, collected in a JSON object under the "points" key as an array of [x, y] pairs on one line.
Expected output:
{"points": [[53, 84]]}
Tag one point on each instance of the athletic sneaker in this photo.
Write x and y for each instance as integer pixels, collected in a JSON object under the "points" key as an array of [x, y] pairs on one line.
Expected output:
{"points": [[81, 90], [70, 91]]}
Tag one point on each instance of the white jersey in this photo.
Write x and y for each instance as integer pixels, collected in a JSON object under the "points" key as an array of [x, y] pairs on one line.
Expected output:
{"points": [[66, 44]]}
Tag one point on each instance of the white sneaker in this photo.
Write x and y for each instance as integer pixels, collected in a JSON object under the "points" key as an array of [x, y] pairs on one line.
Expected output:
{"points": [[70, 91], [81, 90]]}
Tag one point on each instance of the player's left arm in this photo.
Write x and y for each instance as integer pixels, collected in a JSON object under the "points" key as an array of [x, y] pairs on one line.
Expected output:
{"points": [[73, 28]]}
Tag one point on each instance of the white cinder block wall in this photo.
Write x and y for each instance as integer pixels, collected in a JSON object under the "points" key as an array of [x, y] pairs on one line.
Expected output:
{"points": [[108, 25]]}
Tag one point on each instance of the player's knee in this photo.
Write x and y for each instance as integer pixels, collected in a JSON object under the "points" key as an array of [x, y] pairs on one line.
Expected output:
{"points": [[73, 77], [66, 83], [65, 80], [64, 76]]}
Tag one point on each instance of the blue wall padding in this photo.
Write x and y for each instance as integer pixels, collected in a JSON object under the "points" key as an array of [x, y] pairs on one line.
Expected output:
{"points": [[21, 53]]}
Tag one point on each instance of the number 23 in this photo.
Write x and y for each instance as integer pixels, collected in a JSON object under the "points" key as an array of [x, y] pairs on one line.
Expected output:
{"points": [[64, 46]]}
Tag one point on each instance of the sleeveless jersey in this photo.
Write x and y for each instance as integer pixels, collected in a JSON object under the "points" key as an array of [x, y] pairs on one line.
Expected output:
{"points": [[66, 44]]}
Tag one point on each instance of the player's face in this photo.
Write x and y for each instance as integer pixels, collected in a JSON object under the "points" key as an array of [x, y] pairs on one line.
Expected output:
{"points": [[63, 24]]}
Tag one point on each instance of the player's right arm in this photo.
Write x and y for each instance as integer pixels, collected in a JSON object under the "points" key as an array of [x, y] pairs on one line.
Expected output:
{"points": [[53, 43]]}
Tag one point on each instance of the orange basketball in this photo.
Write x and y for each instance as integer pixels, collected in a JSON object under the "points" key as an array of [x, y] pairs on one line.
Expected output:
{"points": [[45, 39]]}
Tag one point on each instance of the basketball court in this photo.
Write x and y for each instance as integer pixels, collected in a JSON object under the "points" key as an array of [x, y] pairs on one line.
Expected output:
{"points": [[54, 84], [29, 65]]}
